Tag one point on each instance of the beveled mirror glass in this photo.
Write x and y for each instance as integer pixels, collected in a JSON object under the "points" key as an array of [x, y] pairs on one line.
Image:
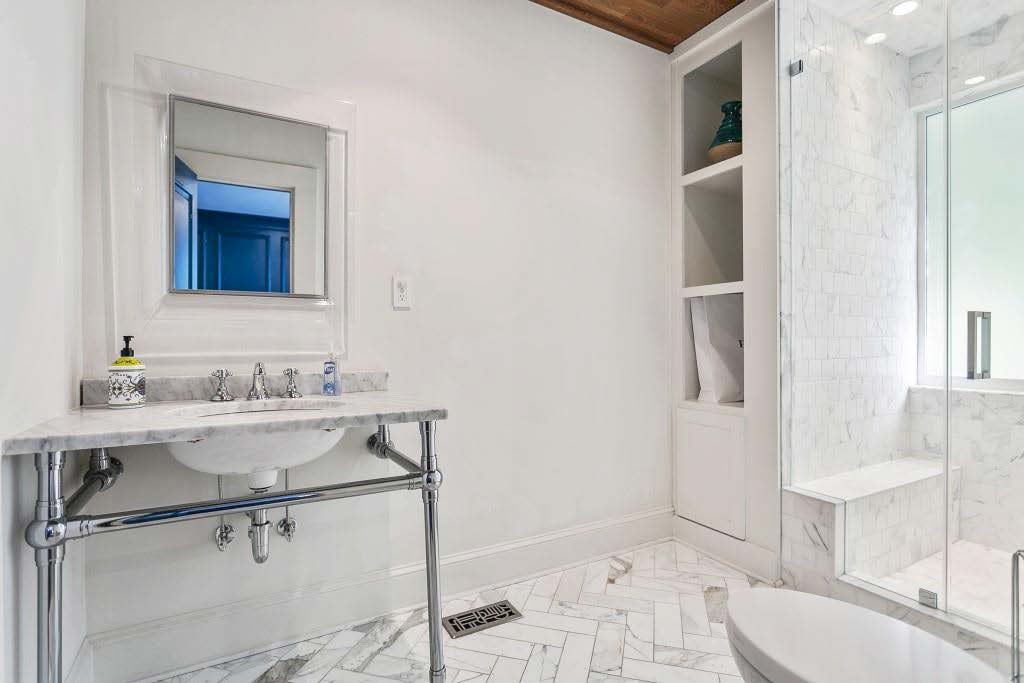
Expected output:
{"points": [[248, 202]]}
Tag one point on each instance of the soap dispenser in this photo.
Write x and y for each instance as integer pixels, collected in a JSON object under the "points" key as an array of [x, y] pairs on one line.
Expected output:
{"points": [[126, 382]]}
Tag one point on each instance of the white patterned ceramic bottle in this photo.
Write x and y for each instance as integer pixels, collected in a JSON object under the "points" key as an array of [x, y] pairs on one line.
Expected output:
{"points": [[126, 380]]}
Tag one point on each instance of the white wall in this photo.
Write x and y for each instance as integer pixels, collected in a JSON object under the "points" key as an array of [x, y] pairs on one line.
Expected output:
{"points": [[510, 161], [41, 48]]}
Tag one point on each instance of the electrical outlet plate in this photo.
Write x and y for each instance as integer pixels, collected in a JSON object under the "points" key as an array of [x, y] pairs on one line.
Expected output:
{"points": [[401, 296]]}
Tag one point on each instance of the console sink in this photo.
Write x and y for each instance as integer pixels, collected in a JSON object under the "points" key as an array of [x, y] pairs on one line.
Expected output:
{"points": [[259, 455]]}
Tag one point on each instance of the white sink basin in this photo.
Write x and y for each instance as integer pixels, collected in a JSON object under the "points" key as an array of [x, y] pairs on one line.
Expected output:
{"points": [[257, 456]]}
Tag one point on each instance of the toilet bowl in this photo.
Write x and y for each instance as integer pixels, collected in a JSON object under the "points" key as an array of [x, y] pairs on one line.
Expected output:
{"points": [[783, 636]]}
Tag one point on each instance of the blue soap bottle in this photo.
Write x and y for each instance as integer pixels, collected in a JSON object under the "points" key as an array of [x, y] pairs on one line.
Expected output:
{"points": [[330, 377]]}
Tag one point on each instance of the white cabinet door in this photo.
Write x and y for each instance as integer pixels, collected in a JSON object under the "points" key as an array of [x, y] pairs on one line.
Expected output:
{"points": [[711, 470]]}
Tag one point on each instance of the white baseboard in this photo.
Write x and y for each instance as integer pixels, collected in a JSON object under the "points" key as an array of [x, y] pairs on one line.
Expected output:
{"points": [[234, 629], [749, 558]]}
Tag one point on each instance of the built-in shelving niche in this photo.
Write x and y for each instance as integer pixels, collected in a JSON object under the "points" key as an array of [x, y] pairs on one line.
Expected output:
{"points": [[704, 90], [713, 224], [691, 383], [725, 240]]}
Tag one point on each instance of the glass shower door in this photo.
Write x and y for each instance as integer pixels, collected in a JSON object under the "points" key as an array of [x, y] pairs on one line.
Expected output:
{"points": [[986, 301], [857, 414]]}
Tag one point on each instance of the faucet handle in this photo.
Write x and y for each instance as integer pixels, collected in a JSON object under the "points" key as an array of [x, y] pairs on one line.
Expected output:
{"points": [[222, 393], [292, 390]]}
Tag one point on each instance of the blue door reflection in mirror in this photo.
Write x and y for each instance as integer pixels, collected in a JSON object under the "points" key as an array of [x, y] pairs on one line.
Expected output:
{"points": [[185, 238], [229, 237]]}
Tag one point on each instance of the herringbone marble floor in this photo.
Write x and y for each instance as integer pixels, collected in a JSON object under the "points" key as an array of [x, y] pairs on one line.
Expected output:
{"points": [[656, 615]]}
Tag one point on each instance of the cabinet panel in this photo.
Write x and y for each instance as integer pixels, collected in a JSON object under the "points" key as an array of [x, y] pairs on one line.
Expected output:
{"points": [[711, 478]]}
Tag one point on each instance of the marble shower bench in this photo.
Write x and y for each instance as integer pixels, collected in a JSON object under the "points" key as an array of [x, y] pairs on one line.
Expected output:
{"points": [[883, 517]]}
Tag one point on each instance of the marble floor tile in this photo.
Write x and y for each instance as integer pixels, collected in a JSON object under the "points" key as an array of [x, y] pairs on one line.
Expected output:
{"points": [[571, 585], [651, 594], [639, 641], [543, 664], [596, 677], [493, 645], [691, 659], [718, 646], [379, 635], [654, 615], [536, 603], [609, 648], [695, 615], [714, 602], [596, 577], [546, 586], [617, 602], [531, 634], [665, 673], [507, 670], [668, 624], [571, 609], [558, 622], [574, 664]]}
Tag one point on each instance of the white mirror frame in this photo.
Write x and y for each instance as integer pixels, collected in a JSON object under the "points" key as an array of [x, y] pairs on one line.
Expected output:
{"points": [[186, 332]]}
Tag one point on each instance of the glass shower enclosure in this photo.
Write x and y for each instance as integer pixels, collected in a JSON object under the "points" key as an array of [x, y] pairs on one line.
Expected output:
{"points": [[902, 277]]}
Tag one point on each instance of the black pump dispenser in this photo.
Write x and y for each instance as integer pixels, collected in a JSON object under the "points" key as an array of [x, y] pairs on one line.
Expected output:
{"points": [[127, 351]]}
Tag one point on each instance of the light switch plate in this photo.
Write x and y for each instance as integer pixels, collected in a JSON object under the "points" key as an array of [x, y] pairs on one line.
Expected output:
{"points": [[401, 296]]}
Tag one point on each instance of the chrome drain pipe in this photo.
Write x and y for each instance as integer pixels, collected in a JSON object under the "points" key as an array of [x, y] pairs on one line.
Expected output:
{"points": [[259, 534], [102, 474], [380, 445]]}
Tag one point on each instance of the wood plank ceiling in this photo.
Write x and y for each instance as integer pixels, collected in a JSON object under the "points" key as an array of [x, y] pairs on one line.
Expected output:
{"points": [[661, 24]]}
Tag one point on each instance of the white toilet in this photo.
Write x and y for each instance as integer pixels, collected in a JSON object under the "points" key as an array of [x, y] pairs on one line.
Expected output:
{"points": [[782, 636]]}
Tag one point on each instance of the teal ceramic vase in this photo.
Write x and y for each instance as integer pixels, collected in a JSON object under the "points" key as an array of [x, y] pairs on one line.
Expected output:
{"points": [[728, 140]]}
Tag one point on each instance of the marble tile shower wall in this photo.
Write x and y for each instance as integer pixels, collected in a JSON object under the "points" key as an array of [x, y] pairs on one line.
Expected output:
{"points": [[995, 51], [852, 342], [888, 531], [987, 443]]}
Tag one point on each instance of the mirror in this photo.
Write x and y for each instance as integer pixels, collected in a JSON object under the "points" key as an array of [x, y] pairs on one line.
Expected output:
{"points": [[248, 202]]}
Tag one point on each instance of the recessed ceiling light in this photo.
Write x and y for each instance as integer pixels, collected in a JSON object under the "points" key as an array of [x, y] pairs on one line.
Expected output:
{"points": [[974, 80], [874, 38], [904, 8]]}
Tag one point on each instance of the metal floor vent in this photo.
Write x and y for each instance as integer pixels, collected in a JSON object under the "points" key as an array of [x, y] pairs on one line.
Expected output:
{"points": [[480, 618]]}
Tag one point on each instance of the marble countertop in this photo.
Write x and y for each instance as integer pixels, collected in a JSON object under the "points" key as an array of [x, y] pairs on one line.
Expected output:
{"points": [[175, 421]]}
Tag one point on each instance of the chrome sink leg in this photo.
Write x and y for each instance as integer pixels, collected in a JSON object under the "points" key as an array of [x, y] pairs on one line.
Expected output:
{"points": [[431, 484], [49, 567]]}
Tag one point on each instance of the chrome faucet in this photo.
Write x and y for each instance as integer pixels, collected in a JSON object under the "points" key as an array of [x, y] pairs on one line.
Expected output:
{"points": [[258, 392]]}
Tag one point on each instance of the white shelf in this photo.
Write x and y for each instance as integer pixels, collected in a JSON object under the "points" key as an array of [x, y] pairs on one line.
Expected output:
{"points": [[725, 177], [720, 408], [713, 290]]}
